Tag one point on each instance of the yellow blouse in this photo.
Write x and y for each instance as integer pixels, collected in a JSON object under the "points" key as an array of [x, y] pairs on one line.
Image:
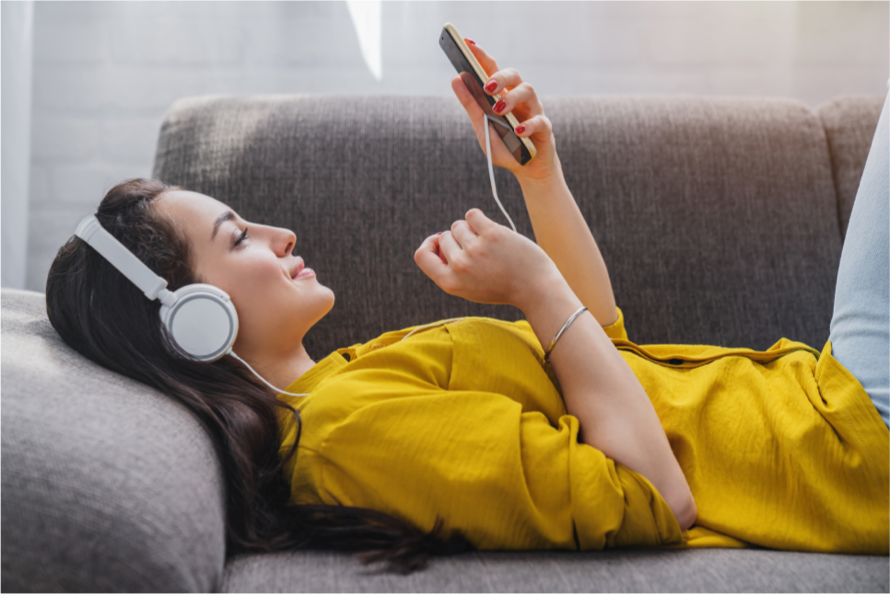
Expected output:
{"points": [[781, 448]]}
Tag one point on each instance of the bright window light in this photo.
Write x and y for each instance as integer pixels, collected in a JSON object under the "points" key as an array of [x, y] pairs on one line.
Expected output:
{"points": [[366, 19]]}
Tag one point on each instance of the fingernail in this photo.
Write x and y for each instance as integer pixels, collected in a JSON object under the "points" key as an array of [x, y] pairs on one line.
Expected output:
{"points": [[491, 86], [520, 129], [470, 41], [500, 106], [438, 234]]}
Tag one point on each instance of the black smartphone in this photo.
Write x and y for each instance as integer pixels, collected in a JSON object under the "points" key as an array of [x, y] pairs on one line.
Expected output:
{"points": [[475, 78]]}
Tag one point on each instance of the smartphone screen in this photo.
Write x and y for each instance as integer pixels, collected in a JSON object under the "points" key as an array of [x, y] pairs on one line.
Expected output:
{"points": [[485, 101]]}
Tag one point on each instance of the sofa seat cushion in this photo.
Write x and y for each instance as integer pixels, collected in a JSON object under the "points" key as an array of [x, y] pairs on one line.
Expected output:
{"points": [[701, 570]]}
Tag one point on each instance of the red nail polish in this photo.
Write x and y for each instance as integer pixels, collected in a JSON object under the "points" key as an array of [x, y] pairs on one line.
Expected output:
{"points": [[470, 41], [438, 234], [520, 129], [491, 86], [500, 106]]}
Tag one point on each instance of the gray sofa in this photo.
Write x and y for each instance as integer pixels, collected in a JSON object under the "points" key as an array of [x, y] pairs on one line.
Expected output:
{"points": [[721, 221]]}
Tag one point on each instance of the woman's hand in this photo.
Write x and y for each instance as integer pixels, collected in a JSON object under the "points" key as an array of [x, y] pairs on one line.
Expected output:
{"points": [[520, 98], [485, 262]]}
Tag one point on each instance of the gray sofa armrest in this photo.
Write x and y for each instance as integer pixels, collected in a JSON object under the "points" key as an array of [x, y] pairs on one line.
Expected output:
{"points": [[107, 484]]}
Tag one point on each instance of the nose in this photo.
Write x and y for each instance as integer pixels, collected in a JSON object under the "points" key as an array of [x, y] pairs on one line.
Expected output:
{"points": [[281, 241], [286, 241]]}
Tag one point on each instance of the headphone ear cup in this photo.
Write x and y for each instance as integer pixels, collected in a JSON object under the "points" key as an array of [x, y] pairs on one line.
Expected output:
{"points": [[202, 322]]}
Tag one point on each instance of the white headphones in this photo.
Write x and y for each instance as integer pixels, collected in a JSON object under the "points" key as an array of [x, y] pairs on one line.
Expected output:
{"points": [[200, 318]]}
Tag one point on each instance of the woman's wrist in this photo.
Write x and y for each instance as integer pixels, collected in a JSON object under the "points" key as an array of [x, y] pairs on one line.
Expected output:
{"points": [[541, 180], [534, 290], [547, 305]]}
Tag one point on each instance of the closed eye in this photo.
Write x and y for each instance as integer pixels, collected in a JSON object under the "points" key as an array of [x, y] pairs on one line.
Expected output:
{"points": [[241, 238]]}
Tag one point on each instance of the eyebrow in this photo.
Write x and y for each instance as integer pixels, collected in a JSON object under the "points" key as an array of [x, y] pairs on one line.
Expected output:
{"points": [[226, 216]]}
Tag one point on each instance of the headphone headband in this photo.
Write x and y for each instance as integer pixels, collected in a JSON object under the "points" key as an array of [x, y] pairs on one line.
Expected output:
{"points": [[123, 259], [200, 318]]}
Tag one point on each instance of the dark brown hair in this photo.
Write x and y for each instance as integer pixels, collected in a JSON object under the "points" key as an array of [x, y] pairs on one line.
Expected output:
{"points": [[106, 318]]}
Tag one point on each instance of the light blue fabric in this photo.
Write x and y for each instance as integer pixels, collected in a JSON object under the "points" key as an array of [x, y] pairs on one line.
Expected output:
{"points": [[860, 324]]}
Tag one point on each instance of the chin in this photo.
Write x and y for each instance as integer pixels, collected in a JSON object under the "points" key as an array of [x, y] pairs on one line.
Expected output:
{"points": [[330, 303], [323, 304]]}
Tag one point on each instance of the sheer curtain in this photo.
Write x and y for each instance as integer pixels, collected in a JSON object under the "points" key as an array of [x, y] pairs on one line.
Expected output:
{"points": [[17, 43]]}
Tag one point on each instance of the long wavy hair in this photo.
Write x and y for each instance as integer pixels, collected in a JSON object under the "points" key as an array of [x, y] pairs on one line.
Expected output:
{"points": [[106, 318]]}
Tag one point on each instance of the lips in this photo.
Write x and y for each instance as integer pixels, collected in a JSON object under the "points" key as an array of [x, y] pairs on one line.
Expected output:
{"points": [[300, 266]]}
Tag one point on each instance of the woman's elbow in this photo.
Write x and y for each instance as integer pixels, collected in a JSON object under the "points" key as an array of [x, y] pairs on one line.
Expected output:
{"points": [[686, 513]]}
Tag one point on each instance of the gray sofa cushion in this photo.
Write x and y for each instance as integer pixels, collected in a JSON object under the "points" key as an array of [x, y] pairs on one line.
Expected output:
{"points": [[716, 216], [107, 485], [702, 570], [850, 124]]}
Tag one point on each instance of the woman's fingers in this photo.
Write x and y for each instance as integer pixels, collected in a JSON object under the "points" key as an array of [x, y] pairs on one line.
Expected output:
{"points": [[428, 259], [463, 234], [503, 80], [487, 62], [483, 258], [448, 245], [478, 222], [500, 153], [507, 80], [539, 126], [516, 95], [523, 100]]}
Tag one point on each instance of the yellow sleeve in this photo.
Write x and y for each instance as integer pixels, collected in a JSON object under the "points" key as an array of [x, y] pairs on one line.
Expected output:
{"points": [[503, 478], [617, 329], [614, 330]]}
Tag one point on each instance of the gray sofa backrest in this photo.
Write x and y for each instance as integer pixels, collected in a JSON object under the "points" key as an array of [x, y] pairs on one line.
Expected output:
{"points": [[717, 217], [850, 124]]}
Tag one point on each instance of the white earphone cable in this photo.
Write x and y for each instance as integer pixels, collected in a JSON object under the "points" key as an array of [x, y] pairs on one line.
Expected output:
{"points": [[261, 377], [494, 189]]}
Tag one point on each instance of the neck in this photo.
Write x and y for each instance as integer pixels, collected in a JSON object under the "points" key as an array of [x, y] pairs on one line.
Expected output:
{"points": [[282, 370]]}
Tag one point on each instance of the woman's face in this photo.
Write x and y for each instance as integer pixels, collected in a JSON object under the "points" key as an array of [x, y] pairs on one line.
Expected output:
{"points": [[275, 308]]}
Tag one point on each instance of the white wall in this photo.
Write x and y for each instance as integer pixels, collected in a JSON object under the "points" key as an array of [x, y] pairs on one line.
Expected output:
{"points": [[105, 72], [16, 29]]}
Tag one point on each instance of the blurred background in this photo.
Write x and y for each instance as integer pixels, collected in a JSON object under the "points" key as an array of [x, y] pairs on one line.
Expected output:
{"points": [[85, 85]]}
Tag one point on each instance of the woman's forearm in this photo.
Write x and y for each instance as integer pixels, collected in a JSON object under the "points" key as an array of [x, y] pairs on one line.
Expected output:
{"points": [[562, 232], [600, 389]]}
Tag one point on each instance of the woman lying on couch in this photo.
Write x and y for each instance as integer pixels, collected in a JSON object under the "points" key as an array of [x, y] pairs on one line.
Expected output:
{"points": [[552, 432]]}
